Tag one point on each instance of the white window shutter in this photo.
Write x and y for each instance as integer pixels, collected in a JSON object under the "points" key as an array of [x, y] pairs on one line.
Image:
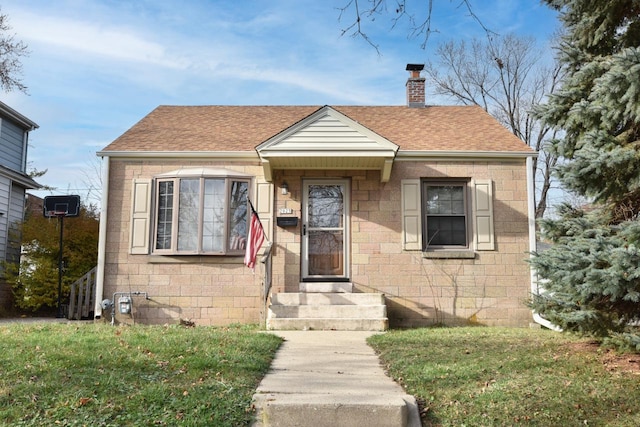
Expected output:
{"points": [[140, 216], [411, 215], [482, 202], [264, 207]]}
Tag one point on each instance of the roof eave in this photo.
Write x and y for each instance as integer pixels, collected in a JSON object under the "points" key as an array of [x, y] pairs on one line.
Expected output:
{"points": [[412, 155], [227, 155], [322, 160], [22, 120], [20, 178]]}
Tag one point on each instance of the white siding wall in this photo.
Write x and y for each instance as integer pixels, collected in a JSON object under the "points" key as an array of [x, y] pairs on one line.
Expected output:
{"points": [[15, 218], [5, 196], [11, 146]]}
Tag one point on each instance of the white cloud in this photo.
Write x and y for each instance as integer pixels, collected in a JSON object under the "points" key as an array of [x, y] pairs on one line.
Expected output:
{"points": [[272, 46], [71, 37]]}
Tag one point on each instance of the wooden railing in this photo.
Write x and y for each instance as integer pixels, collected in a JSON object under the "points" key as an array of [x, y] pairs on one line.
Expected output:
{"points": [[82, 298]]}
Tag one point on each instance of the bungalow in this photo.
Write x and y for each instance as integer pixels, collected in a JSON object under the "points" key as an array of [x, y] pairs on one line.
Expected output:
{"points": [[374, 216]]}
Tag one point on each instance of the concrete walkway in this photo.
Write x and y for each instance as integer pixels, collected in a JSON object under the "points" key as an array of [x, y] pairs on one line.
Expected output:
{"points": [[332, 379]]}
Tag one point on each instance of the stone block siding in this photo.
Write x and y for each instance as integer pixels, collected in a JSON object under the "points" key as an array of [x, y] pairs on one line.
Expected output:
{"points": [[490, 289], [207, 290]]}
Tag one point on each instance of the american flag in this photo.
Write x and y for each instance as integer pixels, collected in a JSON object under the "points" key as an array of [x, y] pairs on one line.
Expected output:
{"points": [[255, 238]]}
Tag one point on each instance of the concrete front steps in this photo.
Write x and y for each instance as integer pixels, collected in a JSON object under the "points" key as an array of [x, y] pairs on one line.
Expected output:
{"points": [[327, 306]]}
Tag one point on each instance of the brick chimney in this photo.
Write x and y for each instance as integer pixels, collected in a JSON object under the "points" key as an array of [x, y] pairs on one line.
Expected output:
{"points": [[415, 86]]}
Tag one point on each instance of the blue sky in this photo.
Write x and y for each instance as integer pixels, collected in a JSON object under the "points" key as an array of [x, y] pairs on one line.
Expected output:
{"points": [[98, 66]]}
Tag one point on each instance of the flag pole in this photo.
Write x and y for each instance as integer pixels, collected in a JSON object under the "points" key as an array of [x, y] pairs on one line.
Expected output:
{"points": [[255, 238]]}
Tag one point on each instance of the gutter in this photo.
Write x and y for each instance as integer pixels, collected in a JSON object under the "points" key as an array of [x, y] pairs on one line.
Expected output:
{"points": [[26, 123], [226, 155], [531, 208], [413, 155], [21, 178], [102, 240]]}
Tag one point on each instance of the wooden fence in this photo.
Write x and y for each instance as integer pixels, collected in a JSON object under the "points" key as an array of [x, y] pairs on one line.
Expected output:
{"points": [[82, 298]]}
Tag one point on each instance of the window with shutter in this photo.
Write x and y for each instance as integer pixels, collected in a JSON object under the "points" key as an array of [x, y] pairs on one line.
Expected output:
{"points": [[196, 211], [447, 215]]}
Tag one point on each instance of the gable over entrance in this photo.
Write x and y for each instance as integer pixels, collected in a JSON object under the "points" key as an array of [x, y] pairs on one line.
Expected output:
{"points": [[327, 139]]}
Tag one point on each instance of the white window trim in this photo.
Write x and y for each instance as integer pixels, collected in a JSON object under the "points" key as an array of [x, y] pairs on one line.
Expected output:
{"points": [[175, 217], [143, 214], [464, 183]]}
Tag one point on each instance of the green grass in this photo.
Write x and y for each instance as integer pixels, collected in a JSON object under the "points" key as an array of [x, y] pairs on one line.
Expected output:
{"points": [[504, 377], [99, 375]]}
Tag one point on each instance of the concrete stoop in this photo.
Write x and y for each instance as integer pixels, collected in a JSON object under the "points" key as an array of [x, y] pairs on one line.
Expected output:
{"points": [[332, 307]]}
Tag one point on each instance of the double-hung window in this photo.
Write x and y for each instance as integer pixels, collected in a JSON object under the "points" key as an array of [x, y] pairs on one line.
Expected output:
{"points": [[200, 215], [445, 213]]}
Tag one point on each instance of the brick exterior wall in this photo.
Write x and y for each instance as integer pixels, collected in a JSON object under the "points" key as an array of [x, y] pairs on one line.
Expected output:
{"points": [[490, 289], [415, 91]]}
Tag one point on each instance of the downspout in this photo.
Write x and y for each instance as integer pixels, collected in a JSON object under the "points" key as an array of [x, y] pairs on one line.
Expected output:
{"points": [[102, 239], [531, 208], [25, 144], [6, 222]]}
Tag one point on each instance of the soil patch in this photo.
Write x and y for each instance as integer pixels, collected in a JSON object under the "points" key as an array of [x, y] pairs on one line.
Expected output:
{"points": [[612, 360]]}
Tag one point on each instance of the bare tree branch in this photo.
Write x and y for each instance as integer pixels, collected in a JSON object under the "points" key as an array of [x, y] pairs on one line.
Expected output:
{"points": [[92, 180], [501, 75], [355, 28], [11, 52], [418, 18]]}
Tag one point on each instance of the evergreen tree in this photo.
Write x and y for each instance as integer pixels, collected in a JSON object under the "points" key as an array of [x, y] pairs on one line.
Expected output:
{"points": [[592, 271]]}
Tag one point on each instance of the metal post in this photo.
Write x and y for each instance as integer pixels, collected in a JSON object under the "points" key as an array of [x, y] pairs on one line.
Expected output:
{"points": [[60, 314]]}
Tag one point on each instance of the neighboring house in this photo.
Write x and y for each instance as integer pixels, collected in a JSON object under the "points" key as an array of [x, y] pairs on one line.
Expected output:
{"points": [[14, 181], [34, 205], [428, 210]]}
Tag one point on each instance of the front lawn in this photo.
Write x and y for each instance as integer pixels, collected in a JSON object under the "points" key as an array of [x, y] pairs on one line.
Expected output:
{"points": [[99, 375], [503, 377]]}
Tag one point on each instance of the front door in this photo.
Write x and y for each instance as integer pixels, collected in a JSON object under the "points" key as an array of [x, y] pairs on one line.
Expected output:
{"points": [[325, 230]]}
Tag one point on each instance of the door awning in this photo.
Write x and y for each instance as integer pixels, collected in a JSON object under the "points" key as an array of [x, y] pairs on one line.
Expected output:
{"points": [[327, 140]]}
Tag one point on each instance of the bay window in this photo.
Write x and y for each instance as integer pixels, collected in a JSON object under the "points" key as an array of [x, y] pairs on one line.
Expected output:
{"points": [[201, 215]]}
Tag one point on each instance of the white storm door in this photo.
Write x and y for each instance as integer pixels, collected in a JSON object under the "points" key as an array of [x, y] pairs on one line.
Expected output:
{"points": [[325, 230]]}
